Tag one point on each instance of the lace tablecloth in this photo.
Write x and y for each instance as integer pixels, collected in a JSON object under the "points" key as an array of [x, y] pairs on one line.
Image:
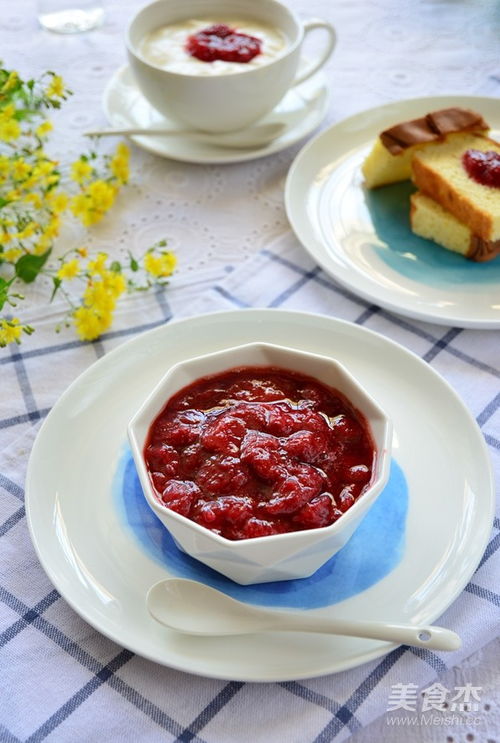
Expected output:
{"points": [[63, 681]]}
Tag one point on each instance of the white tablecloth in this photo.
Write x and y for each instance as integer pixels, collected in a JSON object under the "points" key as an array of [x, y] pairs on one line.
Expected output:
{"points": [[61, 680]]}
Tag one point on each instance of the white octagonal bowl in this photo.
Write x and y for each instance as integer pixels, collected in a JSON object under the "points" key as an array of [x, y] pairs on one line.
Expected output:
{"points": [[276, 557]]}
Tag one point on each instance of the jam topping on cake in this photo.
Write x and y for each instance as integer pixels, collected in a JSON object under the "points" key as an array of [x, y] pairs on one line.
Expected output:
{"points": [[483, 167], [222, 42]]}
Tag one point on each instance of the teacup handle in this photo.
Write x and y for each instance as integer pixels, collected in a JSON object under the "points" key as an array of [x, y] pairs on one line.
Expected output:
{"points": [[311, 25]]}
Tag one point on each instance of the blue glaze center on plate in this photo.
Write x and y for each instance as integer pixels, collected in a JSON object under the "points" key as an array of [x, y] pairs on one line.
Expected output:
{"points": [[412, 256], [373, 551]]}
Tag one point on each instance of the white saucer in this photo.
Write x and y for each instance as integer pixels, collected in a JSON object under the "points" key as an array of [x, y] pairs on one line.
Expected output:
{"points": [[94, 560], [124, 105], [363, 238]]}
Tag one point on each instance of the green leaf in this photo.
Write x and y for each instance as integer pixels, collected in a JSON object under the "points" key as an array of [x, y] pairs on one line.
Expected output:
{"points": [[116, 266], [4, 290], [25, 114], [29, 266], [134, 265], [57, 283]]}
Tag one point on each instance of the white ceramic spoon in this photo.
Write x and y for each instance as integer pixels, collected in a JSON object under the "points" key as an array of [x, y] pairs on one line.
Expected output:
{"points": [[196, 609], [251, 137]]}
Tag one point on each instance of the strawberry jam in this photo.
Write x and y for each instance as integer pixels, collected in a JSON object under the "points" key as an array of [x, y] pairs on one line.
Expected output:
{"points": [[256, 451], [483, 167], [221, 42]]}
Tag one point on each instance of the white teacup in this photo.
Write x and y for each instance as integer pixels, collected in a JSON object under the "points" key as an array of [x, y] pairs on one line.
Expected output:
{"points": [[223, 102]]}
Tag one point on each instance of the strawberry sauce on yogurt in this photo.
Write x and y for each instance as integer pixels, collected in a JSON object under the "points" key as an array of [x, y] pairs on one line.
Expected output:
{"points": [[222, 42], [256, 451], [212, 47]]}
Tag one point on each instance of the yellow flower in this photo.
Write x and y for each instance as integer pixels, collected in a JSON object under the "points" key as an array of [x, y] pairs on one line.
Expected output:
{"points": [[81, 171], [69, 270], [11, 255], [8, 112], [30, 183], [44, 171], [20, 168], [92, 204], [42, 245], [4, 164], [35, 199], [98, 297], [81, 208], [42, 174], [119, 163], [51, 229], [51, 180], [5, 238], [102, 194], [90, 324], [28, 231], [44, 166], [57, 201], [83, 252], [9, 130], [10, 331], [114, 282], [98, 265], [11, 82], [160, 265], [43, 129], [55, 88]]}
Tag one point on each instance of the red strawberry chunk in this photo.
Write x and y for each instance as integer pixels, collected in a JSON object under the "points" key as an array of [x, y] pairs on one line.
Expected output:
{"points": [[320, 511], [294, 491], [307, 446], [227, 509], [262, 453], [163, 459], [222, 475], [224, 434], [179, 496]]}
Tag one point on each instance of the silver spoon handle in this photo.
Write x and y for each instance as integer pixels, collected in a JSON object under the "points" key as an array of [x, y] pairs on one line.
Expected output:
{"points": [[255, 136], [132, 131]]}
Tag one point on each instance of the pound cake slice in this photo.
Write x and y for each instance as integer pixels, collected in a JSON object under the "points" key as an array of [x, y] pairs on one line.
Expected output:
{"points": [[390, 158], [428, 219], [462, 174]]}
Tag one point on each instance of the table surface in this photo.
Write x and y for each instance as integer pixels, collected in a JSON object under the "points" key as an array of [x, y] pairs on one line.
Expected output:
{"points": [[218, 218]]}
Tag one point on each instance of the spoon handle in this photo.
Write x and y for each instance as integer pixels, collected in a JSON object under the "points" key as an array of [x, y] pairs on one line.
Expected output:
{"points": [[253, 136], [130, 131], [431, 637]]}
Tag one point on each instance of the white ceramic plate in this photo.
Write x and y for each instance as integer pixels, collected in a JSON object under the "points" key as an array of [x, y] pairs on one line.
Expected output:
{"points": [[303, 108], [102, 570], [363, 239]]}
